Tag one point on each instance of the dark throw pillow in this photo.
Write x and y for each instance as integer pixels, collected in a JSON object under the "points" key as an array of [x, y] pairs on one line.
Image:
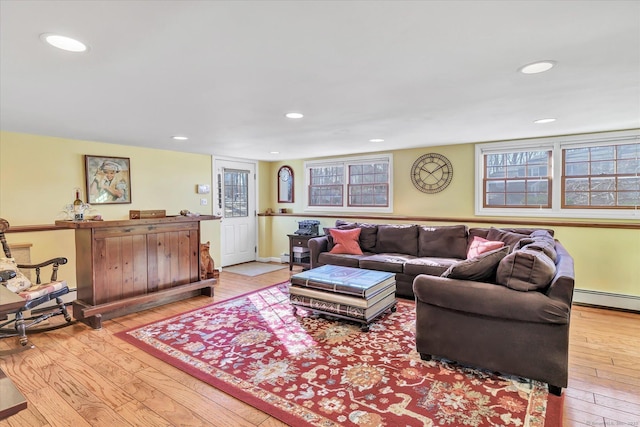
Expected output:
{"points": [[401, 239], [526, 270], [442, 241], [481, 268], [368, 236], [509, 238]]}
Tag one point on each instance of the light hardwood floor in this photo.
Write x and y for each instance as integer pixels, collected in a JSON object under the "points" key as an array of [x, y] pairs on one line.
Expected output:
{"points": [[78, 376]]}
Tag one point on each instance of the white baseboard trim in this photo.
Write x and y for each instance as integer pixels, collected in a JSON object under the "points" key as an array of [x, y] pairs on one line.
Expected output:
{"points": [[271, 259], [606, 299]]}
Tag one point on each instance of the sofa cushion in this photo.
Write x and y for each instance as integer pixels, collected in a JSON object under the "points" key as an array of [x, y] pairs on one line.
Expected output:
{"points": [[526, 270], [368, 236], [479, 246], [509, 238], [481, 268], [344, 260], [400, 239], [393, 263], [346, 241], [327, 232], [431, 266], [446, 241]]}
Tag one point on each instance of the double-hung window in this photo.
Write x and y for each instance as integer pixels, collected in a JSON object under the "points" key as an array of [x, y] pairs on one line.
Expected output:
{"points": [[582, 176], [362, 184]]}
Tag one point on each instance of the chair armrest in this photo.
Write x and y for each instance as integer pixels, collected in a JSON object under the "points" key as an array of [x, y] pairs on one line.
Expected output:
{"points": [[55, 262], [6, 275]]}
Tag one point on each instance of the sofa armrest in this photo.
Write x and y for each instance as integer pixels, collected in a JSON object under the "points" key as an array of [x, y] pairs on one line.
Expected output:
{"points": [[561, 288], [317, 245], [488, 299]]}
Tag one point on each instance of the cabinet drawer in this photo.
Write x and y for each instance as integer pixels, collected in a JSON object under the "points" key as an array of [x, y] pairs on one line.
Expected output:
{"points": [[300, 242]]}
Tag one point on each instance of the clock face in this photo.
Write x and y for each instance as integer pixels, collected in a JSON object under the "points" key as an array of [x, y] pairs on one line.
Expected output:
{"points": [[431, 173], [285, 174]]}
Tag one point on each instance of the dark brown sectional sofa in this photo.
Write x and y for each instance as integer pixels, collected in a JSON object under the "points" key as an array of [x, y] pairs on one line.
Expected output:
{"points": [[511, 317]]}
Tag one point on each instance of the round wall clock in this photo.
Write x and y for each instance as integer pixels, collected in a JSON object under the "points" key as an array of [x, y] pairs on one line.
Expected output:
{"points": [[431, 173], [285, 185]]}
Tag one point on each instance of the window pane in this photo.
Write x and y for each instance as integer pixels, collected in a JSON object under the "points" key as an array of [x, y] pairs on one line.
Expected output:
{"points": [[576, 169], [516, 199], [577, 155], [236, 193], [630, 166], [599, 168], [509, 174], [577, 184], [629, 151], [631, 198], [496, 186], [629, 183], [602, 153], [495, 199], [362, 191], [515, 186], [603, 184], [610, 176], [576, 199]]}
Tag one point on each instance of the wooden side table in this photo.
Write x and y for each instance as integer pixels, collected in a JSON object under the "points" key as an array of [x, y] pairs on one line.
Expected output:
{"points": [[302, 243]]}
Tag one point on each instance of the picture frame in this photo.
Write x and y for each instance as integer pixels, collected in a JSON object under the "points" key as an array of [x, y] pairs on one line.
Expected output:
{"points": [[285, 184], [107, 180]]}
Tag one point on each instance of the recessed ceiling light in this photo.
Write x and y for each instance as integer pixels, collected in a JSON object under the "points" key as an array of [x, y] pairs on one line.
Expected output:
{"points": [[179, 138], [294, 115], [64, 43], [376, 140], [274, 152], [549, 120], [537, 67]]}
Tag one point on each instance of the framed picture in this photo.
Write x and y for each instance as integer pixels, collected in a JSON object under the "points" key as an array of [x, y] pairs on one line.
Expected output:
{"points": [[285, 185], [108, 180]]}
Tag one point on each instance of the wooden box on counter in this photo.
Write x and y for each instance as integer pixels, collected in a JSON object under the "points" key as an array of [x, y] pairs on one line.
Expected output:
{"points": [[132, 265], [147, 214]]}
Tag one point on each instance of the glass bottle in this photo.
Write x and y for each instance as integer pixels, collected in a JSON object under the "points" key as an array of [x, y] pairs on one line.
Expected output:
{"points": [[78, 208]]}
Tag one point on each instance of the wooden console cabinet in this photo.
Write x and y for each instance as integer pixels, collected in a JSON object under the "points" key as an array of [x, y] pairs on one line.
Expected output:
{"points": [[131, 265]]}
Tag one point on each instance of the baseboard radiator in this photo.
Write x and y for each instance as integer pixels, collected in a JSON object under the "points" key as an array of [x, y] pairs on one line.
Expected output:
{"points": [[606, 299]]}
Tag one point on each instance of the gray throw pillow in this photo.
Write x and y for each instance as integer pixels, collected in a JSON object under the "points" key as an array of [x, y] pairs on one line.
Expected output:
{"points": [[481, 268], [509, 238], [526, 270]]}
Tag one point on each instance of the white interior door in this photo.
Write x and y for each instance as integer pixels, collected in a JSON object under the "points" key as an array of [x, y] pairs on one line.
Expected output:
{"points": [[236, 204]]}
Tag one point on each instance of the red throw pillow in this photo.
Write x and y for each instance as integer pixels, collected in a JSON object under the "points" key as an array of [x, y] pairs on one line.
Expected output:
{"points": [[346, 241], [480, 246]]}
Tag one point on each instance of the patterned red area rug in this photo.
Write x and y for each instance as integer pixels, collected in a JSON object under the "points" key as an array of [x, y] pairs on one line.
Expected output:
{"points": [[308, 370]]}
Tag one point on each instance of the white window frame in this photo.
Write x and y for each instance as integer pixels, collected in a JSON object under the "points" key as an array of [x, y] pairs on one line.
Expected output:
{"points": [[556, 145], [346, 162]]}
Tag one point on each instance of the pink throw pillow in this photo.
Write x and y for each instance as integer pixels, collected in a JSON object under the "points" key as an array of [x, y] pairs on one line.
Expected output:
{"points": [[346, 241], [480, 246]]}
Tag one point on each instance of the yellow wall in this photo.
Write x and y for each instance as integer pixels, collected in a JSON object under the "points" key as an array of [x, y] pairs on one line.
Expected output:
{"points": [[606, 259], [38, 175]]}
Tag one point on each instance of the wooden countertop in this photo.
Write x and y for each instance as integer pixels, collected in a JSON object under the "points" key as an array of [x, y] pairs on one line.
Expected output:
{"points": [[129, 222]]}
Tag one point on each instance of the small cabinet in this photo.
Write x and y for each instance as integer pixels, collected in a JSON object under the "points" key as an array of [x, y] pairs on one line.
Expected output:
{"points": [[299, 251]]}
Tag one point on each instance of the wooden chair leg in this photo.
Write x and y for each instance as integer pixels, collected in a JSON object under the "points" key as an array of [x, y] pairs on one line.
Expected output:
{"points": [[21, 328]]}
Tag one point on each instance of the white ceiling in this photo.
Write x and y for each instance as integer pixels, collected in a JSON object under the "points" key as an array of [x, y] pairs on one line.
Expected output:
{"points": [[416, 73]]}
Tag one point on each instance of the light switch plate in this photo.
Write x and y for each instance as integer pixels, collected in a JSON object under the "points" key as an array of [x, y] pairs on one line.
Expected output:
{"points": [[204, 189]]}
